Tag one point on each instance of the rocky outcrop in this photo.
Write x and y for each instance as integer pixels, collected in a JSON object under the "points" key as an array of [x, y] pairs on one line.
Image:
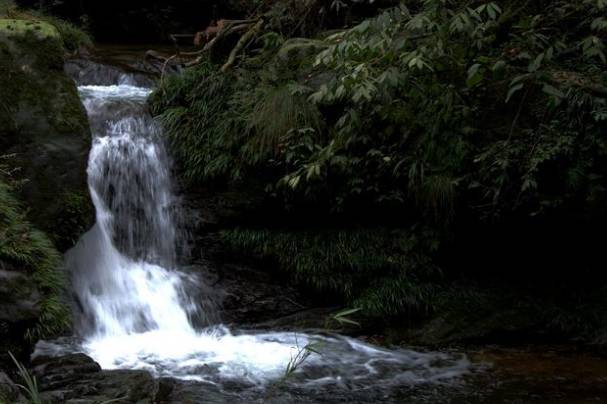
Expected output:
{"points": [[44, 129]]}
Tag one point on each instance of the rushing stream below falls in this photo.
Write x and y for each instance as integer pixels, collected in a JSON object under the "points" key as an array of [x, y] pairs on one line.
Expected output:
{"points": [[133, 307]]}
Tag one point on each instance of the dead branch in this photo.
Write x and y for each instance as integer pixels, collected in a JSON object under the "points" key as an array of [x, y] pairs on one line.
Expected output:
{"points": [[212, 35], [228, 29], [244, 40], [219, 28], [161, 63]]}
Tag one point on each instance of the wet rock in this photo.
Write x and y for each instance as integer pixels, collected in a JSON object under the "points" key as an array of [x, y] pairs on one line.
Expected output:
{"points": [[20, 303], [9, 392], [60, 372], [90, 71], [44, 126], [164, 389], [77, 378], [19, 298], [246, 295]]}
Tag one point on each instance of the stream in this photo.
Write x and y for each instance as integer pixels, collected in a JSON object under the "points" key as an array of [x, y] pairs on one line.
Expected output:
{"points": [[135, 312], [137, 308]]}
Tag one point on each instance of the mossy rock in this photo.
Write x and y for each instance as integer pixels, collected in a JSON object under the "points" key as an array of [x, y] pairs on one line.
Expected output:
{"points": [[19, 28], [44, 125]]}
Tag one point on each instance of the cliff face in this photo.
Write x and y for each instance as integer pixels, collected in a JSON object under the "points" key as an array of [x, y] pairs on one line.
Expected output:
{"points": [[44, 129]]}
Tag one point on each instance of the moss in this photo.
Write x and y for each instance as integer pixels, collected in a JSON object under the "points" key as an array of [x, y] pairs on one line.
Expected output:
{"points": [[20, 21], [14, 27], [43, 122], [29, 250]]}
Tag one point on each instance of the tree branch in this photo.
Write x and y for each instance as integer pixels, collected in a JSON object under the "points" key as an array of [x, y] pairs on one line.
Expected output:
{"points": [[244, 40]]}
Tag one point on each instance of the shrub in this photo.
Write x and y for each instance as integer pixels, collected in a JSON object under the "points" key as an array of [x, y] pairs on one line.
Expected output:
{"points": [[428, 113]]}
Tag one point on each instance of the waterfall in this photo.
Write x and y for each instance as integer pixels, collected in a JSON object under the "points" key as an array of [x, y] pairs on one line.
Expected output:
{"points": [[123, 270], [133, 310]]}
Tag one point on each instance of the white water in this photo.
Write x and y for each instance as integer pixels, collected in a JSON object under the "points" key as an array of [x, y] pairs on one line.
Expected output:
{"points": [[134, 311]]}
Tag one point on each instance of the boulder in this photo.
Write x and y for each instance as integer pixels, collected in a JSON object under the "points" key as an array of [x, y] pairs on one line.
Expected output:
{"points": [[44, 129]]}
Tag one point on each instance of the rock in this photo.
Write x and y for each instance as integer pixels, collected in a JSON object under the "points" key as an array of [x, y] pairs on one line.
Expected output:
{"points": [[44, 127], [58, 373], [31, 284], [246, 295], [9, 392], [91, 72], [77, 378], [19, 298], [20, 303]]}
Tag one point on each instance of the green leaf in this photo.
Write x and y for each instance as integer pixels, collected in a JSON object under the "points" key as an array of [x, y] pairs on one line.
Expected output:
{"points": [[475, 75], [550, 90], [347, 312], [537, 63], [499, 65], [362, 27], [513, 90]]}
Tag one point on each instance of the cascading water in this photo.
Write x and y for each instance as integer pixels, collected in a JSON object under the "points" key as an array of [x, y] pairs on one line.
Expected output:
{"points": [[133, 308]]}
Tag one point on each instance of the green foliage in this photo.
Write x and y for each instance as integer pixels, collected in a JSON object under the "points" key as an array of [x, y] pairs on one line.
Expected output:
{"points": [[396, 296], [31, 384], [349, 263], [297, 360], [27, 249], [224, 126], [432, 110], [449, 65], [6, 6], [446, 103], [343, 317], [194, 113], [73, 37], [275, 111]]}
